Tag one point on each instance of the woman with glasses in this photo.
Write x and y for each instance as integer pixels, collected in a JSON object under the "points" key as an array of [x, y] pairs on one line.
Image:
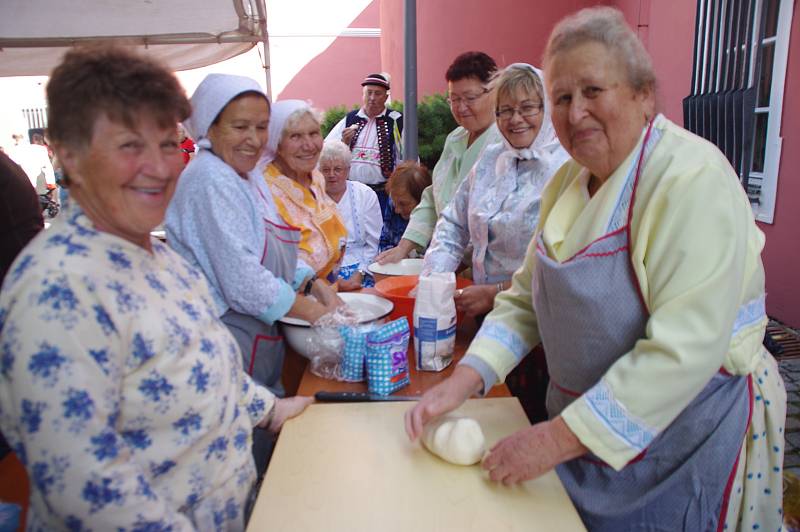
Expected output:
{"points": [[646, 288], [496, 208], [473, 110], [360, 211]]}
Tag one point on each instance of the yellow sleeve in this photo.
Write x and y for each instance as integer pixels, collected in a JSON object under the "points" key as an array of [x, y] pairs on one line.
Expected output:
{"points": [[689, 246]]}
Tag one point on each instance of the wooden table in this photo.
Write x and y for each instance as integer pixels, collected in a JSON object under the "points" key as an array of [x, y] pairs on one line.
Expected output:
{"points": [[350, 467], [298, 379]]}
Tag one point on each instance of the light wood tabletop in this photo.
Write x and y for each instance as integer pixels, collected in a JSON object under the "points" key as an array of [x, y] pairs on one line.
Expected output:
{"points": [[350, 467]]}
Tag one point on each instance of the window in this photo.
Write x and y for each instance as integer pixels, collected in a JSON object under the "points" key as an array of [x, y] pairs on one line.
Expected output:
{"points": [[35, 117], [736, 100]]}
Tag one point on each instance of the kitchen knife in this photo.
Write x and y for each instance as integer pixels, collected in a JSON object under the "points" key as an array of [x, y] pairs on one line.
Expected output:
{"points": [[359, 397]]}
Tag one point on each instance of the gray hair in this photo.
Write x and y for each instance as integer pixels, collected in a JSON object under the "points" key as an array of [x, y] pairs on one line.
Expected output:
{"points": [[605, 25], [296, 116], [335, 150], [515, 78]]}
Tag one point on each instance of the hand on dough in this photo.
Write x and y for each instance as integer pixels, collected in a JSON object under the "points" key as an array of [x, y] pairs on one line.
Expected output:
{"points": [[458, 440], [532, 452]]}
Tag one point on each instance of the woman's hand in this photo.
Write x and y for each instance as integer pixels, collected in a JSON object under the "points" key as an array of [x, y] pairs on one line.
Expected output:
{"points": [[353, 283], [326, 295], [286, 409], [532, 452], [442, 398], [396, 254], [476, 299]]}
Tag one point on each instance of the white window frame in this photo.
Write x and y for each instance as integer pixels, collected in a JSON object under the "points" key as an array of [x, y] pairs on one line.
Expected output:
{"points": [[764, 211]]}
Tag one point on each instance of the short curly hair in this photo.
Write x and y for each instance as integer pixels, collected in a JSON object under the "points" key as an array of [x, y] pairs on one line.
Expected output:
{"points": [[471, 65], [607, 26], [114, 81], [409, 177]]}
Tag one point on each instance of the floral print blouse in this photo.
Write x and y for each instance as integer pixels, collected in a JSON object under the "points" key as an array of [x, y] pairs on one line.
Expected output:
{"points": [[120, 390]]}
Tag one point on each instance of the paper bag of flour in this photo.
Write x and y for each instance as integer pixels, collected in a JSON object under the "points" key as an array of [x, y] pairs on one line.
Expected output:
{"points": [[435, 321]]}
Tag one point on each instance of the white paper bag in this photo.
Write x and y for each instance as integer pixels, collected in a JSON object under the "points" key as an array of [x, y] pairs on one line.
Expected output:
{"points": [[435, 321]]}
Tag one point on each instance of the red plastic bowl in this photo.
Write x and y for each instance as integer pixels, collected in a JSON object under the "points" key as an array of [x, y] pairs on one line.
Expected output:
{"points": [[396, 290]]}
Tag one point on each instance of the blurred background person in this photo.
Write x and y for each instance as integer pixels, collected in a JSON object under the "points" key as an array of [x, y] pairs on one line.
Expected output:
{"points": [[35, 162], [359, 208], [20, 213], [187, 144]]}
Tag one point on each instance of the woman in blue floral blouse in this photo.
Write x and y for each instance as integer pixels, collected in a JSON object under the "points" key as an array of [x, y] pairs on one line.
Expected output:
{"points": [[121, 391]]}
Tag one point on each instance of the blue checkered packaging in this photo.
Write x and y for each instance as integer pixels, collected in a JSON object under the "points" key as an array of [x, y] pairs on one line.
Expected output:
{"points": [[355, 349], [387, 357]]}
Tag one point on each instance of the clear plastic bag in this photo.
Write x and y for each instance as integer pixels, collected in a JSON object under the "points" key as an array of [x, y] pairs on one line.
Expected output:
{"points": [[326, 344]]}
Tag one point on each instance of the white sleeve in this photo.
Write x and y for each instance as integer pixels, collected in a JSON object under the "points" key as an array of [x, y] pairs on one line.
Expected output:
{"points": [[336, 132], [373, 224]]}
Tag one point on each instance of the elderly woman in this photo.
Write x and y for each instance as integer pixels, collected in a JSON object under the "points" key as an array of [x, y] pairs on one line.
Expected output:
{"points": [[406, 186], [121, 391], [496, 208], [359, 208], [645, 285], [289, 167], [225, 224], [472, 107]]}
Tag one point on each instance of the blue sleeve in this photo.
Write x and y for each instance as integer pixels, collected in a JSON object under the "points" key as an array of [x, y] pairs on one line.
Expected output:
{"points": [[214, 222], [59, 402]]}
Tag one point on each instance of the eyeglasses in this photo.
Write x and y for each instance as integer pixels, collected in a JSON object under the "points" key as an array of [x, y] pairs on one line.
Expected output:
{"points": [[525, 111], [337, 170], [468, 99]]}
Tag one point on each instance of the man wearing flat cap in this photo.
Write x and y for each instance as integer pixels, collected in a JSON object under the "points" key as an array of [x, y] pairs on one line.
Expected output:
{"points": [[374, 134]]}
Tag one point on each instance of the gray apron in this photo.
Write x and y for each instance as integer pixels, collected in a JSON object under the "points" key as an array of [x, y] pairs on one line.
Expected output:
{"points": [[261, 344], [590, 313]]}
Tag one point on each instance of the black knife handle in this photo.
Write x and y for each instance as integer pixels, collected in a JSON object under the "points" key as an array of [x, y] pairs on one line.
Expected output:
{"points": [[342, 397]]}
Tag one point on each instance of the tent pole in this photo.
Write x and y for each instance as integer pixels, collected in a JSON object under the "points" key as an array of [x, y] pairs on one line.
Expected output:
{"points": [[262, 23]]}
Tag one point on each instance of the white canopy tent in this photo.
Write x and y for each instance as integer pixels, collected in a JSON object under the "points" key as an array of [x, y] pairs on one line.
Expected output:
{"points": [[183, 34]]}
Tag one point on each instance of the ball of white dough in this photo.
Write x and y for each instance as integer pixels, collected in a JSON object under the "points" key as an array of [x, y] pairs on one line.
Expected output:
{"points": [[458, 440]]}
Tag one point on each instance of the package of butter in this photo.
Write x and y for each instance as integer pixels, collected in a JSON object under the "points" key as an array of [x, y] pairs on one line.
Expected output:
{"points": [[387, 357]]}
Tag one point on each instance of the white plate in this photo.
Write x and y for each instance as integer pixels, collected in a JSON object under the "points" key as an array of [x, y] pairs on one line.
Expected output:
{"points": [[404, 267], [369, 307]]}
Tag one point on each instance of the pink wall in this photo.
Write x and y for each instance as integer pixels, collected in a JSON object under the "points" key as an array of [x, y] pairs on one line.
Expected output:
{"points": [[334, 76], [508, 30], [782, 252], [667, 31]]}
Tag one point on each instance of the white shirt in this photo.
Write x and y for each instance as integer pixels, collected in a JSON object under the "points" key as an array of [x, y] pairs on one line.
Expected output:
{"points": [[365, 166], [361, 212], [35, 162]]}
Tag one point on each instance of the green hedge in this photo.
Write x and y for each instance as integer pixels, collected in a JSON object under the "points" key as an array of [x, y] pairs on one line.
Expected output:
{"points": [[434, 121]]}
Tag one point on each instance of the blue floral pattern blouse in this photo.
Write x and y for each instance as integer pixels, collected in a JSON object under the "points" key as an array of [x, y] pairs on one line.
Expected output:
{"points": [[120, 390]]}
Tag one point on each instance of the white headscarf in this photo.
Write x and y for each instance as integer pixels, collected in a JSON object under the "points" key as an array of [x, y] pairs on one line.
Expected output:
{"points": [[546, 143], [210, 98], [281, 111]]}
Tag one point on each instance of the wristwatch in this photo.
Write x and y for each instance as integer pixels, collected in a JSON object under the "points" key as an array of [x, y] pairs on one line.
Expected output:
{"points": [[309, 285]]}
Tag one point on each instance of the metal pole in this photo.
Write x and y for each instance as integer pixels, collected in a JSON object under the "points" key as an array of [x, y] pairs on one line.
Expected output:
{"points": [[261, 8], [410, 149]]}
